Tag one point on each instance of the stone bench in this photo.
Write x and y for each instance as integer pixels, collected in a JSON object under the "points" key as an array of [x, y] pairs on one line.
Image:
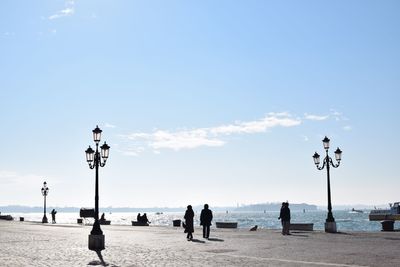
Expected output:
{"points": [[302, 226]]}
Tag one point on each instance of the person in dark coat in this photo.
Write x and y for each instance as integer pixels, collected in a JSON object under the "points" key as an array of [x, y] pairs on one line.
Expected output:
{"points": [[205, 220], [144, 218], [280, 214], [285, 218], [189, 229], [53, 216]]}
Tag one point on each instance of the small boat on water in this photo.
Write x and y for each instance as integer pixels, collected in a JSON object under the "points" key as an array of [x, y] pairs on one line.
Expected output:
{"points": [[136, 223], [226, 224], [6, 217], [104, 222], [391, 214], [353, 210]]}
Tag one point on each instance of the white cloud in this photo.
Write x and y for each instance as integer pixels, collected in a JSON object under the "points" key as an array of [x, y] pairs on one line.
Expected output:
{"points": [[258, 126], [183, 139], [206, 137], [108, 125], [69, 10], [347, 128], [313, 117], [11, 177], [338, 115]]}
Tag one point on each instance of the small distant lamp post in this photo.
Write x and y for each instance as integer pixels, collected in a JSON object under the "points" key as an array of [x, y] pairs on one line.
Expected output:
{"points": [[94, 159], [330, 224], [45, 192]]}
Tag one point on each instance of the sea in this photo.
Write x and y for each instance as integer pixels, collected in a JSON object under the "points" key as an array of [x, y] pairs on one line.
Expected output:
{"points": [[345, 220]]}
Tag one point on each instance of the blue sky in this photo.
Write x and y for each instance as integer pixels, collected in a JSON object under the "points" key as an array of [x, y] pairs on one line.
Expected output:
{"points": [[221, 102]]}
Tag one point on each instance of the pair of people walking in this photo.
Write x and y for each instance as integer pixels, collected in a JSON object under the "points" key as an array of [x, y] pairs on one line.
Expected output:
{"points": [[285, 218], [205, 220]]}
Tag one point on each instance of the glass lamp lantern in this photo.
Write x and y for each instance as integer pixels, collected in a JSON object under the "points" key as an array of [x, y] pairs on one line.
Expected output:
{"points": [[97, 134], [326, 141], [338, 154], [105, 149], [89, 155], [316, 158]]}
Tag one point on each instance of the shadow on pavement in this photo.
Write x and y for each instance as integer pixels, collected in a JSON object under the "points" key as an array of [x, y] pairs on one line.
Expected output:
{"points": [[100, 262], [298, 234], [216, 239], [198, 241]]}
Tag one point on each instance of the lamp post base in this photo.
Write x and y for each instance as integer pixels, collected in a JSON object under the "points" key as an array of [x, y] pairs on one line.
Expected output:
{"points": [[44, 219], [330, 227], [96, 242]]}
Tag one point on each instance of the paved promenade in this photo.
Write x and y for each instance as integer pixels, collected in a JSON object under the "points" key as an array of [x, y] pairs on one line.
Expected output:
{"points": [[34, 244]]}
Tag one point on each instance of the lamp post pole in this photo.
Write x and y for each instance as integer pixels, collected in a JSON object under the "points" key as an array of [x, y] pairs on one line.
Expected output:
{"points": [[94, 159], [45, 191], [330, 224], [329, 217]]}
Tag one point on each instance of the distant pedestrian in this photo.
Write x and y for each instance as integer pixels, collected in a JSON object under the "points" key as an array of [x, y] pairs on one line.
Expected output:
{"points": [[53, 216], [285, 218], [189, 229], [205, 220]]}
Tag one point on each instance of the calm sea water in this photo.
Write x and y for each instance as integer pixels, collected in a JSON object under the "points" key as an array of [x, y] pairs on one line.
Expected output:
{"points": [[346, 220]]}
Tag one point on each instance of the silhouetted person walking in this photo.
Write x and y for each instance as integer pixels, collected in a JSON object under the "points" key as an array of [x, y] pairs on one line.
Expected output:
{"points": [[205, 220], [53, 216], [189, 229], [285, 218]]}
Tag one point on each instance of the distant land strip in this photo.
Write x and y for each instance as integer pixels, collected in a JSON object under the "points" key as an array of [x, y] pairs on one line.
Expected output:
{"points": [[241, 208]]}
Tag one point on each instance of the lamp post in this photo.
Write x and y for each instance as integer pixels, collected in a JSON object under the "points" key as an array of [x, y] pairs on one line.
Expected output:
{"points": [[45, 192], [330, 224], [96, 237]]}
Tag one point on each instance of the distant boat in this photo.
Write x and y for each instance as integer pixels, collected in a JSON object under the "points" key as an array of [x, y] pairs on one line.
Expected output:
{"points": [[135, 223], [159, 213], [356, 211], [226, 224], [386, 214], [6, 217]]}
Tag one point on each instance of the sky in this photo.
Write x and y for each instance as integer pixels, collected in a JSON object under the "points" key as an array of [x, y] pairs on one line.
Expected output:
{"points": [[218, 102]]}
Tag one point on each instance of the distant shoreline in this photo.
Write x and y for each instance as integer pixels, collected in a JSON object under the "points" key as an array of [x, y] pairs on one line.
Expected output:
{"points": [[267, 207]]}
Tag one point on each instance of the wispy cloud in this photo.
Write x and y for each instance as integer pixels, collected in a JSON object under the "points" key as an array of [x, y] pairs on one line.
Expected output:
{"points": [[347, 128], [313, 117], [338, 115], [108, 125], [206, 137], [11, 177], [68, 10]]}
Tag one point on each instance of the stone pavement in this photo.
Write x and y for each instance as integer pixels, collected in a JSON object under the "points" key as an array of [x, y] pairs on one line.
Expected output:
{"points": [[34, 244]]}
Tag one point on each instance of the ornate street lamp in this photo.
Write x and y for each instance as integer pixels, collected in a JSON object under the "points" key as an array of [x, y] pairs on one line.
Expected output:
{"points": [[45, 192], [330, 224], [94, 159]]}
